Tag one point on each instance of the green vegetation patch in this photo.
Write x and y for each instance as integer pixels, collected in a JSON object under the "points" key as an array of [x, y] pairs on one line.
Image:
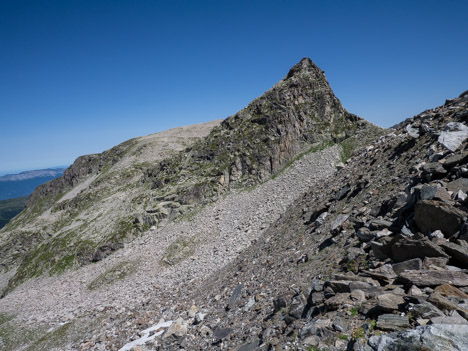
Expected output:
{"points": [[178, 251], [347, 148], [66, 334], [13, 335], [114, 274]]}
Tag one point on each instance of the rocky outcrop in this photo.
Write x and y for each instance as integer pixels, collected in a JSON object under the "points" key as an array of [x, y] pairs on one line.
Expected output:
{"points": [[299, 114]]}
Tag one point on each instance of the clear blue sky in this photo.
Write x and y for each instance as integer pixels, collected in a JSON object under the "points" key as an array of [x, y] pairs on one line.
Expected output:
{"points": [[78, 77]]}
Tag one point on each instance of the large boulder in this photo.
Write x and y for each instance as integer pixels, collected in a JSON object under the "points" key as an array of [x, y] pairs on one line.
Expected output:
{"points": [[433, 215], [404, 249]]}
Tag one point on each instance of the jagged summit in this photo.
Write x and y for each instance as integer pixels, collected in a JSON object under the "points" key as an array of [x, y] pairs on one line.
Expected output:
{"points": [[305, 65]]}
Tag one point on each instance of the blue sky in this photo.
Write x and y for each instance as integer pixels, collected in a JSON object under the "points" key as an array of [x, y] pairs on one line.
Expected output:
{"points": [[79, 77]]}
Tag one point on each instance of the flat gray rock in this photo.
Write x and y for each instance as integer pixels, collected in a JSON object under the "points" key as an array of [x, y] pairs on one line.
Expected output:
{"points": [[440, 337], [430, 278], [458, 184], [458, 252], [455, 318], [406, 249], [392, 322], [389, 302], [453, 135]]}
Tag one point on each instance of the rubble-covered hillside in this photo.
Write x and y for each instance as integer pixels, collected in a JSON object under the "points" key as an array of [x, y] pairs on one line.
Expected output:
{"points": [[104, 201], [374, 259]]}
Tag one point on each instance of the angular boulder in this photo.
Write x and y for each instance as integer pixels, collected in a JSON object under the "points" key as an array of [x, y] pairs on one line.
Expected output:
{"points": [[431, 215], [458, 184], [453, 135], [404, 249], [410, 265], [392, 322], [458, 252]]}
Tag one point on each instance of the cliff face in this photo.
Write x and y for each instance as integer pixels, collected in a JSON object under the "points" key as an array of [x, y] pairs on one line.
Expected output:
{"points": [[106, 200]]}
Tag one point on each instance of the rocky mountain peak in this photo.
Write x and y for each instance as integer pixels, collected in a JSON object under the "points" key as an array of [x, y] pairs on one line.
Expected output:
{"points": [[304, 66], [174, 206]]}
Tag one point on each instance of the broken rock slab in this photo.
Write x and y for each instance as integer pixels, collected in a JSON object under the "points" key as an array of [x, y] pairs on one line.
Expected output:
{"points": [[390, 302], [453, 135], [458, 252], [440, 337], [458, 184], [392, 322], [404, 249], [410, 265], [434, 278], [454, 318], [445, 304], [431, 215]]}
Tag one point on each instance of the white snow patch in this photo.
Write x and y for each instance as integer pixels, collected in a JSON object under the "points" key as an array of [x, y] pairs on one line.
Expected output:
{"points": [[146, 335]]}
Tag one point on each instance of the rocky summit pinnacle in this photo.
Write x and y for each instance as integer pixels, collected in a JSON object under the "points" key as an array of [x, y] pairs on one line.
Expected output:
{"points": [[305, 65]]}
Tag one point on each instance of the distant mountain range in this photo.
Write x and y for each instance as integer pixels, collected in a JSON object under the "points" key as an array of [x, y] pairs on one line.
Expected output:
{"points": [[23, 184]]}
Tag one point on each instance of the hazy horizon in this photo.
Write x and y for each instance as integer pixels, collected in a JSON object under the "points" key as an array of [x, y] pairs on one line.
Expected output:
{"points": [[18, 171]]}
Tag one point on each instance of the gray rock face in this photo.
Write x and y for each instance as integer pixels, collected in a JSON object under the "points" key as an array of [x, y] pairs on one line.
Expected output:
{"points": [[434, 168], [425, 310], [235, 295], [446, 304], [455, 160], [440, 337], [454, 318], [413, 132], [458, 184], [389, 302]]}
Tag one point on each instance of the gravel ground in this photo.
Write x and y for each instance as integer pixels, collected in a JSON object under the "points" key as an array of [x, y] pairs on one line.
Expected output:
{"points": [[217, 233]]}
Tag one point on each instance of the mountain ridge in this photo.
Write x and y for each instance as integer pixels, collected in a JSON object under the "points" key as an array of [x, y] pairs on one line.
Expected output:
{"points": [[57, 231], [24, 183]]}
